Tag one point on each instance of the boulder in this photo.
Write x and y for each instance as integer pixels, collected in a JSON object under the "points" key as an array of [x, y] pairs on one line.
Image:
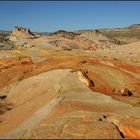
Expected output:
{"points": [[126, 92]]}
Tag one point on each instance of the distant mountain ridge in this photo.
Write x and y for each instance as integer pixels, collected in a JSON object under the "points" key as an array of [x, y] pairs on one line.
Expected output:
{"points": [[134, 26], [128, 34]]}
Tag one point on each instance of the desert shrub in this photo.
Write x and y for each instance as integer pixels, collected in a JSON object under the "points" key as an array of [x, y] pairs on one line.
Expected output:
{"points": [[69, 35]]}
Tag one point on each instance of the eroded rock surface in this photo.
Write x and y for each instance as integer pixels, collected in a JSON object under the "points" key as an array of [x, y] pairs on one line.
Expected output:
{"points": [[69, 85], [78, 105]]}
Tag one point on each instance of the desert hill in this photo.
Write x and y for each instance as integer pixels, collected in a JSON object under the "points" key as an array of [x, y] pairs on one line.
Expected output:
{"points": [[129, 34], [61, 39], [69, 85], [125, 35], [134, 26]]}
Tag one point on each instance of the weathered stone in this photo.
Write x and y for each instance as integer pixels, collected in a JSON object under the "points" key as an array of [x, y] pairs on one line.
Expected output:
{"points": [[126, 92]]}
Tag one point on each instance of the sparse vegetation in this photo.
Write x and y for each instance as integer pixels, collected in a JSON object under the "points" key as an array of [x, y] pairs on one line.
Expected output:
{"points": [[5, 43], [69, 35], [3, 38], [126, 35], [54, 42]]}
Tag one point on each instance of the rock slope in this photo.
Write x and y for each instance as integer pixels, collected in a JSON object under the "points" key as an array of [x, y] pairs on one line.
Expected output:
{"points": [[67, 87]]}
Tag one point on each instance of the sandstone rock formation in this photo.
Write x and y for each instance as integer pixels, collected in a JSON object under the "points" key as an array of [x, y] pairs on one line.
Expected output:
{"points": [[20, 32], [88, 40], [67, 85], [78, 105]]}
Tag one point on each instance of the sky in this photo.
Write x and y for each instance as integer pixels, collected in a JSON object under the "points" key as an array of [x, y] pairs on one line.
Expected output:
{"points": [[49, 16]]}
